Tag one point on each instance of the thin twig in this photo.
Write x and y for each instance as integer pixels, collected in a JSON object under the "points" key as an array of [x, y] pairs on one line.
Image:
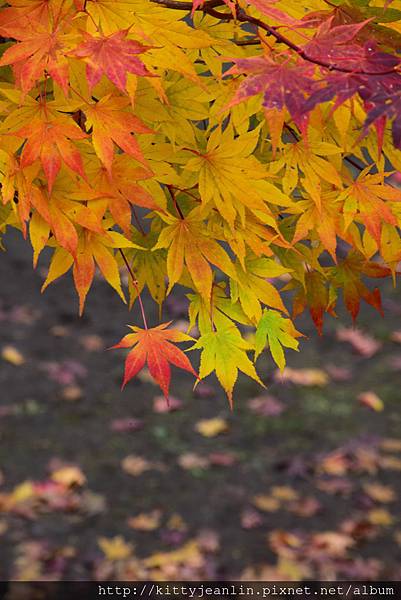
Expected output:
{"points": [[174, 199], [135, 283]]}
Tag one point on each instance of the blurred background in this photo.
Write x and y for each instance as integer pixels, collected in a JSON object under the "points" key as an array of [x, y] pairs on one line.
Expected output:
{"points": [[300, 481]]}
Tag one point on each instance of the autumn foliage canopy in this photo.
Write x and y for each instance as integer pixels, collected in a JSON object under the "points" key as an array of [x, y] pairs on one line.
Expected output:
{"points": [[242, 153]]}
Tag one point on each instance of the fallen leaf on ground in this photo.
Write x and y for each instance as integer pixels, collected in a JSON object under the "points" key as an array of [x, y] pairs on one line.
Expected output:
{"points": [[72, 393], [335, 463], [115, 548], [223, 459], [266, 503], [380, 516], [208, 540], [135, 465], [69, 476], [160, 405], [307, 377], [189, 554], [211, 427], [146, 521], [59, 331], [397, 536], [284, 493], [190, 460], [392, 463], [396, 337], [339, 373], [126, 424], [92, 343], [371, 400], [266, 406], [177, 523], [251, 519], [12, 355], [335, 544], [338, 485], [379, 492], [305, 507], [391, 445], [362, 343]]}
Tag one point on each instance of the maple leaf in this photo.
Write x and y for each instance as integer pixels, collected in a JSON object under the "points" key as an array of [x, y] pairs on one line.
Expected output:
{"points": [[315, 295], [224, 351], [284, 85], [347, 275], [332, 45], [154, 346], [41, 49], [112, 55], [91, 249], [111, 124], [231, 178], [251, 286], [368, 198], [50, 140], [266, 7], [188, 245], [120, 188], [279, 332]]}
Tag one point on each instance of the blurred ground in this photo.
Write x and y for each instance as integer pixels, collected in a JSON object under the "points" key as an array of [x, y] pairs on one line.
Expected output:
{"points": [[300, 481]]}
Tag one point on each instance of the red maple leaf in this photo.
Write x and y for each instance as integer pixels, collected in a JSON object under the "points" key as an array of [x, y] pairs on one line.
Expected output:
{"points": [[111, 55], [153, 346], [332, 45], [282, 84]]}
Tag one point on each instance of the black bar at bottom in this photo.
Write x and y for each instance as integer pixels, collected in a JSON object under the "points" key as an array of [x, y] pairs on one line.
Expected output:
{"points": [[199, 590]]}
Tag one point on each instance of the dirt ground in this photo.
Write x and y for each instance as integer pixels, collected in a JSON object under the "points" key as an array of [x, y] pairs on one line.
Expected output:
{"points": [[299, 481]]}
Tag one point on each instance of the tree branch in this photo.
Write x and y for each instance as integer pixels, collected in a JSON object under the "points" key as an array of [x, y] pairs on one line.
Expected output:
{"points": [[241, 16]]}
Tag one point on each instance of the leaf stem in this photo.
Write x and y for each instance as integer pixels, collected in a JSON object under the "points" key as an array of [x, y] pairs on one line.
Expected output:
{"points": [[174, 199], [135, 283]]}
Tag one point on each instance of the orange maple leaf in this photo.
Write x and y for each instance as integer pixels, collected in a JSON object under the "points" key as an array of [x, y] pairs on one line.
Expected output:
{"points": [[111, 124], [153, 346], [111, 55], [49, 140], [40, 49]]}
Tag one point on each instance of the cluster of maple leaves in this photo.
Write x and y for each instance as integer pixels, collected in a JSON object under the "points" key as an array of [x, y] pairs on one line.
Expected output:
{"points": [[238, 150]]}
